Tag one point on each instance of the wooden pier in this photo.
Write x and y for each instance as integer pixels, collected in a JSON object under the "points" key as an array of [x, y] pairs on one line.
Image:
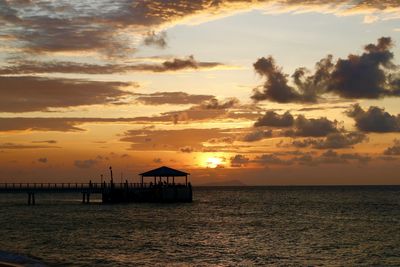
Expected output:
{"points": [[161, 191]]}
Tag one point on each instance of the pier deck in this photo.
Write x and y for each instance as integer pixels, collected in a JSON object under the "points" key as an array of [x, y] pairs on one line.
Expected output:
{"points": [[164, 190], [111, 192]]}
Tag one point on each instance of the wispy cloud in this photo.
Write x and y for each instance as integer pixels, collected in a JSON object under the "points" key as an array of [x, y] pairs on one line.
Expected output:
{"points": [[172, 65], [112, 28], [46, 93]]}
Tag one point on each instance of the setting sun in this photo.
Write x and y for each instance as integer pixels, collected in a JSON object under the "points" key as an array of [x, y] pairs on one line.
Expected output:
{"points": [[214, 162]]}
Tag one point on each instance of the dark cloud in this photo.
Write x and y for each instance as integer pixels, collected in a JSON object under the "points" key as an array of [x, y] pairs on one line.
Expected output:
{"points": [[374, 119], [270, 159], [40, 124], [302, 158], [239, 160], [322, 108], [332, 141], [304, 143], [370, 75], [186, 149], [177, 98], [305, 159], [226, 140], [196, 113], [301, 126], [257, 135], [331, 157], [157, 160], [23, 146], [154, 39], [63, 124], [45, 142], [62, 35], [46, 93], [340, 140], [37, 67], [42, 160], [188, 63], [273, 119], [366, 75], [85, 164], [393, 150], [276, 87], [217, 104], [314, 127]]}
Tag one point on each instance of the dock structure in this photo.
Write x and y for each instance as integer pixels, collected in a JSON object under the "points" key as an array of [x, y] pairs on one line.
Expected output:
{"points": [[165, 190]]}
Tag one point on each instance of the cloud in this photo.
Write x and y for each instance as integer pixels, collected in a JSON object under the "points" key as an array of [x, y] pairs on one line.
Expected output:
{"points": [[157, 160], [46, 93], [368, 19], [277, 88], [273, 119], [332, 157], [40, 124], [184, 140], [85, 164], [366, 75], [158, 40], [341, 140], [45, 141], [177, 98], [374, 119], [313, 127], [239, 160], [196, 113], [371, 75], [299, 126], [186, 149], [42, 160], [112, 28], [217, 104], [393, 150], [270, 159], [257, 135], [226, 140], [23, 146], [332, 141], [38, 67]]}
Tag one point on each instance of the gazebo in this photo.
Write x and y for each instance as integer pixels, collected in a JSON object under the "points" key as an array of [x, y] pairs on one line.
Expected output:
{"points": [[165, 172]]}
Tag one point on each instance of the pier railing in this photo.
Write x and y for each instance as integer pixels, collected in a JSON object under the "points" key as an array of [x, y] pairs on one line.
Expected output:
{"points": [[68, 187]]}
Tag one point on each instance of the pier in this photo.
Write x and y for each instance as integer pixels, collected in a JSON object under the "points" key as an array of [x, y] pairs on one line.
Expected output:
{"points": [[162, 189]]}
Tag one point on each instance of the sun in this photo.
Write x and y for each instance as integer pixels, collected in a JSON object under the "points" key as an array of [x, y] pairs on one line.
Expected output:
{"points": [[213, 162]]}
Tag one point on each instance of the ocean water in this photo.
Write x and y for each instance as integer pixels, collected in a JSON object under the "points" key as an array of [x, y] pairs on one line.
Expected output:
{"points": [[243, 226]]}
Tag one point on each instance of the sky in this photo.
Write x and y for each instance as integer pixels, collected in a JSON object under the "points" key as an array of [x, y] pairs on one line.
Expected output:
{"points": [[262, 92]]}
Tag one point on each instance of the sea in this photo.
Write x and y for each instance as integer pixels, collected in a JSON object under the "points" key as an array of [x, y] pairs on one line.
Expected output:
{"points": [[224, 226]]}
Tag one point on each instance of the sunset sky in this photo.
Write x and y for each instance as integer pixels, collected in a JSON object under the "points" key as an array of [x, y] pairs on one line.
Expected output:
{"points": [[263, 92]]}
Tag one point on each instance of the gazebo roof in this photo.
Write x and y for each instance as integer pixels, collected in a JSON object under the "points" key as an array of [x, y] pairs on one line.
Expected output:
{"points": [[164, 171]]}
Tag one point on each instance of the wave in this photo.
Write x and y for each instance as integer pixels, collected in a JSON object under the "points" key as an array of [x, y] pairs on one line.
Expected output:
{"points": [[15, 259]]}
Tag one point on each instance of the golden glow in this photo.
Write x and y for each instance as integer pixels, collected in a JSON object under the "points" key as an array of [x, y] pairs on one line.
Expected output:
{"points": [[214, 162]]}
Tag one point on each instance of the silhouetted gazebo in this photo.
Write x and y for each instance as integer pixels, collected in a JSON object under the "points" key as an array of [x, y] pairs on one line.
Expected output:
{"points": [[165, 172]]}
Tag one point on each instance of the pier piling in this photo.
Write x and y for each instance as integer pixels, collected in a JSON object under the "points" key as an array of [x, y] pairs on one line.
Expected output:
{"points": [[31, 198]]}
